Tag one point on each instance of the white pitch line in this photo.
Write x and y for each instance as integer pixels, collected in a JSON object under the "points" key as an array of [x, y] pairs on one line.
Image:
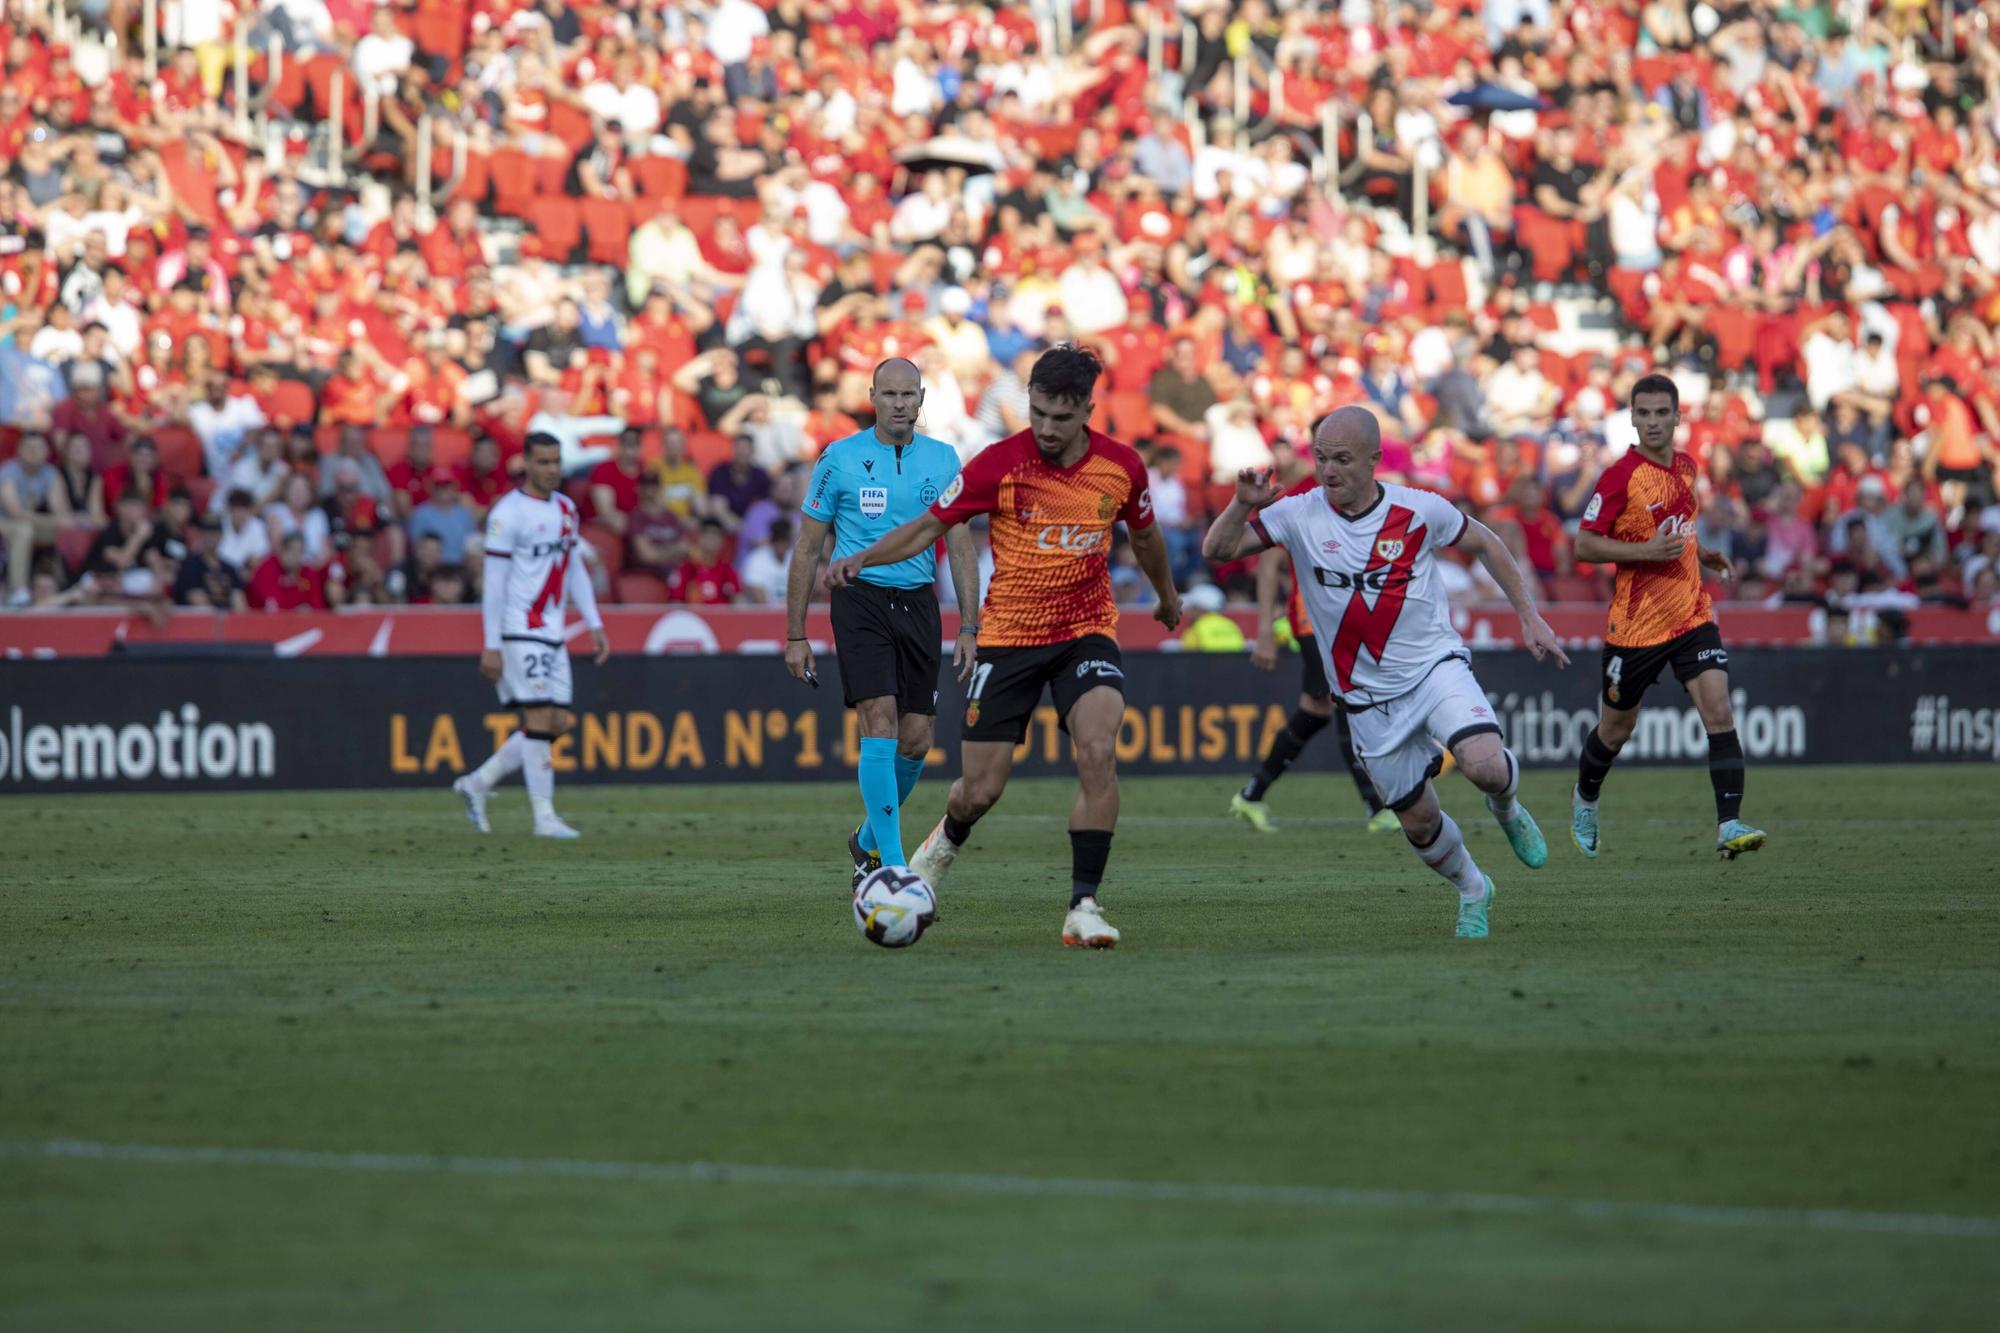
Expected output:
{"points": [[1331, 1197]]}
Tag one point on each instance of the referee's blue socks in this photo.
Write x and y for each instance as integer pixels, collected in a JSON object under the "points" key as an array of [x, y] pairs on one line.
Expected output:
{"points": [[908, 770], [879, 794]]}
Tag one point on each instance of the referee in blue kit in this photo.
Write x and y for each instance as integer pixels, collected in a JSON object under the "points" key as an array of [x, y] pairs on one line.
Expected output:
{"points": [[886, 630]]}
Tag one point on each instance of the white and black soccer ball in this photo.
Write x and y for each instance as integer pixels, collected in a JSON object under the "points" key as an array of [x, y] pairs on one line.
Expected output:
{"points": [[893, 907]]}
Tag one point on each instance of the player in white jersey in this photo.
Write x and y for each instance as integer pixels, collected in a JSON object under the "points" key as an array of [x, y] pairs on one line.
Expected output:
{"points": [[534, 569], [1366, 556]]}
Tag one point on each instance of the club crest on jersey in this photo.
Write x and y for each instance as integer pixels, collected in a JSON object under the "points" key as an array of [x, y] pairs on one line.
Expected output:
{"points": [[874, 501], [1390, 548], [972, 714], [1106, 507], [928, 495]]}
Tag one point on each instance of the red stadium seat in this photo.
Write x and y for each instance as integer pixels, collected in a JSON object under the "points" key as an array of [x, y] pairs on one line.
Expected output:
{"points": [[1629, 287], [608, 223], [1547, 241], [709, 448], [550, 174], [450, 446], [639, 587], [10, 442], [513, 181], [559, 223], [200, 491], [609, 545], [660, 177], [390, 445], [180, 451], [1735, 332], [73, 547], [292, 403], [1446, 281], [478, 180], [1132, 414], [571, 124]]}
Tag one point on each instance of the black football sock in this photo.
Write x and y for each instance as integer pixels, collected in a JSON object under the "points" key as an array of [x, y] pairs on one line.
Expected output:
{"points": [[1089, 850], [1285, 747], [1725, 773], [1362, 782], [1594, 766], [958, 830]]}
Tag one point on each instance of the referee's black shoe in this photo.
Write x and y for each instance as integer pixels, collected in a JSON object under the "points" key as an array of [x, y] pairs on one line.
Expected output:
{"points": [[865, 863]]}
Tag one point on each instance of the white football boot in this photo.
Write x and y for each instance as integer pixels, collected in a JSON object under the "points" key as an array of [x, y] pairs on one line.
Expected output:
{"points": [[474, 797], [1086, 928], [553, 827], [933, 859]]}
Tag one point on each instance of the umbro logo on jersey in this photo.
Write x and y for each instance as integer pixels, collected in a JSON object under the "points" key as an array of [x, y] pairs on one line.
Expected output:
{"points": [[1330, 547]]}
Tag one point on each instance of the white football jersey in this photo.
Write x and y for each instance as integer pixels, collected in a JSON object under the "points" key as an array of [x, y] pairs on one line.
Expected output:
{"points": [[1371, 586], [538, 538]]}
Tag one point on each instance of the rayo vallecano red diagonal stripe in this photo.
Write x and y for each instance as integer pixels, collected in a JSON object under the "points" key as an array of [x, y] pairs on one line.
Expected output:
{"points": [[1364, 626]]}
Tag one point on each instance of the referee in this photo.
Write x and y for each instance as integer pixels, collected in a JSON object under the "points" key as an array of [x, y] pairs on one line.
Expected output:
{"points": [[886, 631]]}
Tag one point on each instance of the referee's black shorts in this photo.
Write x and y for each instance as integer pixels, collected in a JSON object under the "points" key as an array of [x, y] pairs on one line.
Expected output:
{"points": [[887, 641]]}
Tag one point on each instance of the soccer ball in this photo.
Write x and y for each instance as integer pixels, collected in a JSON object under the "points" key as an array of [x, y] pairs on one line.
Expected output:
{"points": [[893, 907]]}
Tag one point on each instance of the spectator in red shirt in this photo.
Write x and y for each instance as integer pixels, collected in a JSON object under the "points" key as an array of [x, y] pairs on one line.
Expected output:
{"points": [[614, 483], [285, 582], [656, 538], [87, 412], [1136, 348], [482, 479], [706, 578], [410, 479]]}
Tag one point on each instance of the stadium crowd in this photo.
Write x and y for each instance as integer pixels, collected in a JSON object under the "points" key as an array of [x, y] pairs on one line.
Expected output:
{"points": [[243, 363]]}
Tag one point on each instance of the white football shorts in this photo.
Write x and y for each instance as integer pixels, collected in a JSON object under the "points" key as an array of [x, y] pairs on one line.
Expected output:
{"points": [[1398, 741], [533, 674]]}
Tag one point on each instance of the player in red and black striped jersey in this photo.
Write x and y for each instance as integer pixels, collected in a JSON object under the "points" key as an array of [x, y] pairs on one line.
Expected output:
{"points": [[1054, 493], [1642, 518]]}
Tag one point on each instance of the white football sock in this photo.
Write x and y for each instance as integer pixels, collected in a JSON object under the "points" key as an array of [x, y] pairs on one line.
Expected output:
{"points": [[1447, 855], [539, 771], [1502, 803], [504, 761]]}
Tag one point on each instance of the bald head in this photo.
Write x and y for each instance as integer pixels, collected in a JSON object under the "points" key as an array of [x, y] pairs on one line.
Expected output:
{"points": [[1346, 446], [898, 396], [899, 371], [1355, 427]]}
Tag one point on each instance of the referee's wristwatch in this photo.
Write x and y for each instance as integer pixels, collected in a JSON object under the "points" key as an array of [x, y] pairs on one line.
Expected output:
{"points": [[973, 630]]}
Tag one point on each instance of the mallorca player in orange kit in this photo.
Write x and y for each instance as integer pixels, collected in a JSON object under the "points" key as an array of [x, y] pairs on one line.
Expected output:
{"points": [[1642, 519], [1054, 491]]}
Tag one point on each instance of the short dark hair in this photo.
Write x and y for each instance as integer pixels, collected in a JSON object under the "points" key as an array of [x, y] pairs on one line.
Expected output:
{"points": [[1656, 384], [538, 440], [1067, 371]]}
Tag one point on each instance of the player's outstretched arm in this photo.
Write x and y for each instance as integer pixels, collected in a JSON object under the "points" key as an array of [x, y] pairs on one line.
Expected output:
{"points": [[1479, 541], [1270, 577], [965, 583], [919, 534], [584, 597], [492, 609], [806, 548], [1231, 537], [1593, 548], [1151, 549]]}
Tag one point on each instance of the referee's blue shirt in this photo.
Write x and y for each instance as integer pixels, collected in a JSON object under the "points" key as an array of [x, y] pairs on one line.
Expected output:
{"points": [[866, 489]]}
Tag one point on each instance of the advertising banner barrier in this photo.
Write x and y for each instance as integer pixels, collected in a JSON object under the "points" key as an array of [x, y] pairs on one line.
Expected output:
{"points": [[653, 631], [178, 724]]}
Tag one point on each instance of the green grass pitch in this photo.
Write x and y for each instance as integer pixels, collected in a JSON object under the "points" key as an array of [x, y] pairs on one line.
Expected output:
{"points": [[1816, 1027]]}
